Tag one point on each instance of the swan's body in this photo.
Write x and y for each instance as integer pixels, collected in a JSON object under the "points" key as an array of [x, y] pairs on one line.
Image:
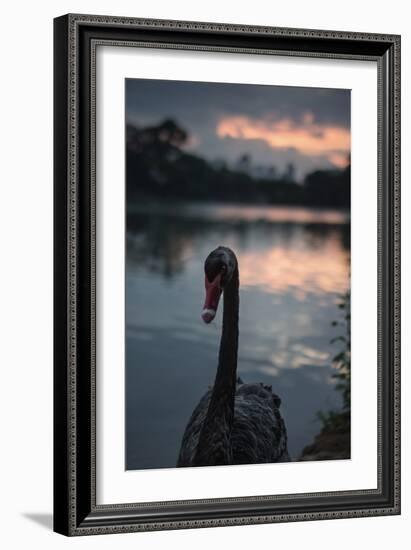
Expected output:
{"points": [[258, 433], [234, 423]]}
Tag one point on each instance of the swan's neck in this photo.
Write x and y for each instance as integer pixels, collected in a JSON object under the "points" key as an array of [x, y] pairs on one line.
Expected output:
{"points": [[214, 446], [225, 381]]}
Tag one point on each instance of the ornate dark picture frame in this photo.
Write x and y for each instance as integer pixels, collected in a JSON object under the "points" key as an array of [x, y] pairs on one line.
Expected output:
{"points": [[76, 38]]}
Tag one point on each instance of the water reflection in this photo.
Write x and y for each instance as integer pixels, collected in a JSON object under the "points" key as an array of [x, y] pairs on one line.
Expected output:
{"points": [[301, 271], [293, 264]]}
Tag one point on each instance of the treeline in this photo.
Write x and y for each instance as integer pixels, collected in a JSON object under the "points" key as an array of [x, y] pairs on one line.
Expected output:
{"points": [[157, 166]]}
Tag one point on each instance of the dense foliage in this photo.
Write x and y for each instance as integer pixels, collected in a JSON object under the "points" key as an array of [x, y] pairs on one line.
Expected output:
{"points": [[157, 165], [339, 420]]}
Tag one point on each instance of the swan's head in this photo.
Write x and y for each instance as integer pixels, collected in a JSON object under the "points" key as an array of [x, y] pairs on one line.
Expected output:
{"points": [[219, 268]]}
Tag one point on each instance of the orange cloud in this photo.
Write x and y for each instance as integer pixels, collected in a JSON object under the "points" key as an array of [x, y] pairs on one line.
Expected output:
{"points": [[339, 158], [307, 137]]}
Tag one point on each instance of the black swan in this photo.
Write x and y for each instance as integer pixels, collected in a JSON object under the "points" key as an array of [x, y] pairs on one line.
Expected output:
{"points": [[234, 423]]}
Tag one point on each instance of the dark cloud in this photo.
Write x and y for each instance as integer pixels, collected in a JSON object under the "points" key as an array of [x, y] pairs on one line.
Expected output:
{"points": [[198, 106]]}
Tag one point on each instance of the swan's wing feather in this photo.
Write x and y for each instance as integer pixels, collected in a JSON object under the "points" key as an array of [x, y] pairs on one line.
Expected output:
{"points": [[259, 434], [192, 431]]}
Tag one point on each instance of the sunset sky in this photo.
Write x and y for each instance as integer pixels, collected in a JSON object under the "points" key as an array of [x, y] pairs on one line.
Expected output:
{"points": [[275, 125]]}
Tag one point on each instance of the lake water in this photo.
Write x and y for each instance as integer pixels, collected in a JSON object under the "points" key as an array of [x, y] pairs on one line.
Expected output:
{"points": [[294, 265]]}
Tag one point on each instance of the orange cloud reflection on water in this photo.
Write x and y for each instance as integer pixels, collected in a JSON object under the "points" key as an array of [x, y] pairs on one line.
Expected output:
{"points": [[290, 214], [300, 271], [307, 137]]}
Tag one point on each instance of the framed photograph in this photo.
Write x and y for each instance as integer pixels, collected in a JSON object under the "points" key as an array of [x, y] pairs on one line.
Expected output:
{"points": [[227, 277]]}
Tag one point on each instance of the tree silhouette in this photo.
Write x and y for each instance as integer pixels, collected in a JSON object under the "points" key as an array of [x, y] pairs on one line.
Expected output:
{"points": [[157, 166]]}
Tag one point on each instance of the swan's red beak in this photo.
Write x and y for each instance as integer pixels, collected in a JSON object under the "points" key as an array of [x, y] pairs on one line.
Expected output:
{"points": [[213, 293]]}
